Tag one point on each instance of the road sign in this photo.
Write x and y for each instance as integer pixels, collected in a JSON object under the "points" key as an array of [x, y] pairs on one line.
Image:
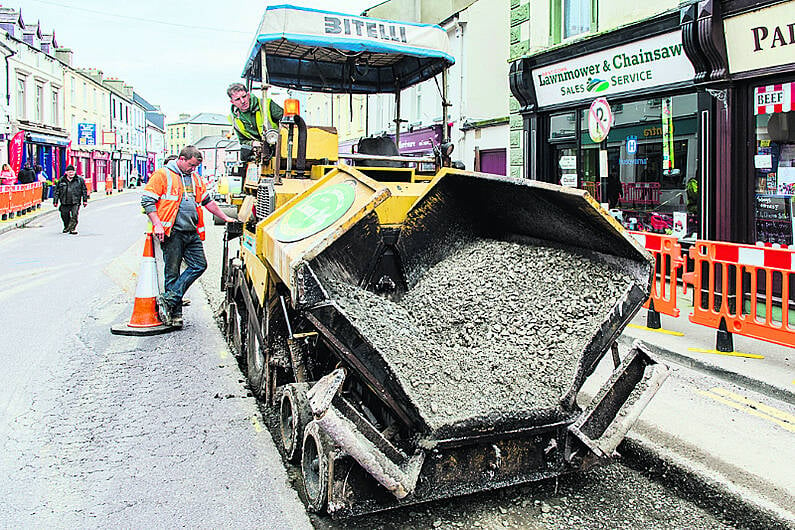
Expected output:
{"points": [[600, 119]]}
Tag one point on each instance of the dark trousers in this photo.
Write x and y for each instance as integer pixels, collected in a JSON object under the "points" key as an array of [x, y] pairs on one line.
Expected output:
{"points": [[69, 216], [176, 247]]}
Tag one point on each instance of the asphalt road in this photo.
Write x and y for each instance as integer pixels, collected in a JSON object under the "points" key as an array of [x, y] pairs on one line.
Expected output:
{"points": [[100, 430], [106, 431]]}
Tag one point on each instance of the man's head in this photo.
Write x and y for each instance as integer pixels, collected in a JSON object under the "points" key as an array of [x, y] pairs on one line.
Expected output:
{"points": [[70, 172], [239, 96], [189, 159]]}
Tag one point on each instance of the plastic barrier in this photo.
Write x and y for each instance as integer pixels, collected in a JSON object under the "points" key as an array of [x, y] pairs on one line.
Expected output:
{"points": [[594, 189], [743, 289], [668, 261], [5, 202]]}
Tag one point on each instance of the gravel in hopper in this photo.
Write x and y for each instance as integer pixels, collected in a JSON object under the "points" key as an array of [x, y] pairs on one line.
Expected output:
{"points": [[497, 328]]}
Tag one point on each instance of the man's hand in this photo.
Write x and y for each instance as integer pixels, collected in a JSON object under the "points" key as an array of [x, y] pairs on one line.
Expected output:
{"points": [[159, 232], [228, 219]]}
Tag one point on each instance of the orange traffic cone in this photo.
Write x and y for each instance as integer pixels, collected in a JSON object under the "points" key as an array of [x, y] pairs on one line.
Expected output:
{"points": [[145, 320]]}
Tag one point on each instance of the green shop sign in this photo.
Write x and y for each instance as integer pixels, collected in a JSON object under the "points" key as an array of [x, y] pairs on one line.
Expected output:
{"points": [[316, 212], [648, 63]]}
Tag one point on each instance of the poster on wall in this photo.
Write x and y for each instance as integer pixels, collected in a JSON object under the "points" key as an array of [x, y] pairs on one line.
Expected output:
{"points": [[773, 215]]}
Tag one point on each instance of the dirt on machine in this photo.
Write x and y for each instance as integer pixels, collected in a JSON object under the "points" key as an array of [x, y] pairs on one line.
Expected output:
{"points": [[419, 331]]}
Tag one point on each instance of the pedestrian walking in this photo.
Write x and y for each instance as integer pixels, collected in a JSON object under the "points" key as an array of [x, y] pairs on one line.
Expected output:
{"points": [[41, 176], [70, 192], [26, 175], [7, 177], [173, 200]]}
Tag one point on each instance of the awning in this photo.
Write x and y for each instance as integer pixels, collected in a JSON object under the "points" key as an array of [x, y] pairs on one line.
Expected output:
{"points": [[325, 51], [46, 139]]}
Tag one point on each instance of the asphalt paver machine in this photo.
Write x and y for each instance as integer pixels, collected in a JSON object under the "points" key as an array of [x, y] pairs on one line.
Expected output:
{"points": [[419, 331]]}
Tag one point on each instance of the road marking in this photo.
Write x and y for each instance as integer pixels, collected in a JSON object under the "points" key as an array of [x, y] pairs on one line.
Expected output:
{"points": [[747, 407], [665, 331], [728, 353], [767, 409], [21, 288], [257, 425]]}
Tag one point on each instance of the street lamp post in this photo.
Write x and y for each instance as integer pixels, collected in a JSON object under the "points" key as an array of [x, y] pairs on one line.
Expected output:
{"points": [[215, 154]]}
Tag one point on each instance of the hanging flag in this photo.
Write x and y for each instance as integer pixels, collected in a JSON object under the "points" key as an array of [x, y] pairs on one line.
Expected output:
{"points": [[15, 151]]}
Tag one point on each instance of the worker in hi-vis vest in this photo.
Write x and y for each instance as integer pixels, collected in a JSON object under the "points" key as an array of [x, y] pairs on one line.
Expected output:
{"points": [[247, 116]]}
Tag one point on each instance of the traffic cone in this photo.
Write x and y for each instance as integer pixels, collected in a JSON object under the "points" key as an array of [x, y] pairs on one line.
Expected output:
{"points": [[145, 320]]}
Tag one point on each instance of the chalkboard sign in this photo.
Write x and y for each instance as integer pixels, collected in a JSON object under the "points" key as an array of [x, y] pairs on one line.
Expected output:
{"points": [[774, 219]]}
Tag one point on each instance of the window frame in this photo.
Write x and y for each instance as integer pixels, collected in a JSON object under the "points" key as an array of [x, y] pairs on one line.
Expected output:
{"points": [[557, 18]]}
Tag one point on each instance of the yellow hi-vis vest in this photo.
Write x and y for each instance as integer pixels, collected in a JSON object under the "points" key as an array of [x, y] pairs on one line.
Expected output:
{"points": [[240, 127], [166, 188]]}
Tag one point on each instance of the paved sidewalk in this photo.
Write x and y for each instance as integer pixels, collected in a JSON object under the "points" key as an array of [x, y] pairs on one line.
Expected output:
{"points": [[46, 208], [762, 366]]}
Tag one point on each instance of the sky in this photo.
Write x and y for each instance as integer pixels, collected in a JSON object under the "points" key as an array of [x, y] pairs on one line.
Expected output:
{"points": [[177, 54]]}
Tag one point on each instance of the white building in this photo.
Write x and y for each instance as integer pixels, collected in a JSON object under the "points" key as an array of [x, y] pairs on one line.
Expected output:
{"points": [[477, 85], [34, 106]]}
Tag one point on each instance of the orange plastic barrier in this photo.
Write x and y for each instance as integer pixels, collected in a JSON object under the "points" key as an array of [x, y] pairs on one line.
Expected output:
{"points": [[5, 201], [668, 261], [743, 289], [594, 189]]}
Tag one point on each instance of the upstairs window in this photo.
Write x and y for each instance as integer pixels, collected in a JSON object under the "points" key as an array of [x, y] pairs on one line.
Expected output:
{"points": [[21, 108], [569, 18]]}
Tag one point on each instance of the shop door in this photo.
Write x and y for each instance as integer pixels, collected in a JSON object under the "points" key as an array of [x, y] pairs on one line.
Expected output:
{"points": [[566, 165]]}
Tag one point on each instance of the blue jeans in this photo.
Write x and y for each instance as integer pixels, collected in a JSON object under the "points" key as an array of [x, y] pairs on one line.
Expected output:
{"points": [[176, 247]]}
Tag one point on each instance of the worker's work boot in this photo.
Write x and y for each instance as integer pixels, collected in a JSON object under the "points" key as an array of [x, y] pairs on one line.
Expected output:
{"points": [[163, 310]]}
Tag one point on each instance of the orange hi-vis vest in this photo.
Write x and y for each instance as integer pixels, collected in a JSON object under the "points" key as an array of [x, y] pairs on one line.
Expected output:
{"points": [[166, 187]]}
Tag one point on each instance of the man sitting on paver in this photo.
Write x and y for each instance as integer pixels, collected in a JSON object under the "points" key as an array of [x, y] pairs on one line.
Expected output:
{"points": [[246, 114]]}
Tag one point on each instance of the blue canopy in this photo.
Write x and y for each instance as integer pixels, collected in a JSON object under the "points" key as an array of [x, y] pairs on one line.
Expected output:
{"points": [[324, 51]]}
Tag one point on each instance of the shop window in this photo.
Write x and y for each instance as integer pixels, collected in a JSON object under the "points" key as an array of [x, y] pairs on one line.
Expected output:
{"points": [[562, 126], [652, 154], [569, 18], [774, 163]]}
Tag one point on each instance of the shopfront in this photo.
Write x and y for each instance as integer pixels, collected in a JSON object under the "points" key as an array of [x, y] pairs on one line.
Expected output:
{"points": [[645, 164], [101, 169], [760, 59]]}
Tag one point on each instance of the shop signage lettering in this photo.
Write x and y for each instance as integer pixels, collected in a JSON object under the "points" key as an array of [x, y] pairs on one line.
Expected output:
{"points": [[762, 36], [644, 64], [633, 161], [772, 99], [760, 39], [373, 30]]}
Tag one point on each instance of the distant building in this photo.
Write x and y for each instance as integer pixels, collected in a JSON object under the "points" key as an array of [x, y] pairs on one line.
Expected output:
{"points": [[188, 130], [155, 134], [213, 149], [35, 100], [87, 117]]}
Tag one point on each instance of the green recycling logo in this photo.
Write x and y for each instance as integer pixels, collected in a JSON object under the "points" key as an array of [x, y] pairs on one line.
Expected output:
{"points": [[316, 212], [597, 85]]}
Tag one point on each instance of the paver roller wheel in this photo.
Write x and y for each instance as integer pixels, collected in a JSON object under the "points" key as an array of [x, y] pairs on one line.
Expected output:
{"points": [[294, 415], [315, 466]]}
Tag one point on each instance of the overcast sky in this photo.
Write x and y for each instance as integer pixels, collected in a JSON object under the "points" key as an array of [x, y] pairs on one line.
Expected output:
{"points": [[177, 54]]}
